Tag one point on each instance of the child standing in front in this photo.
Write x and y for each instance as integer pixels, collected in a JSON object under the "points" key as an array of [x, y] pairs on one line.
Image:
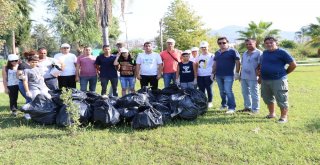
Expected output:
{"points": [[10, 82], [186, 72]]}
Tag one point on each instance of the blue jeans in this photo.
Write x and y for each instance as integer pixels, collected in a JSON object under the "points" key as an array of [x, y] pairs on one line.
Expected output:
{"points": [[167, 77], [104, 84], [250, 93], [185, 85], [23, 92], [205, 84], [127, 82], [225, 87], [84, 80]]}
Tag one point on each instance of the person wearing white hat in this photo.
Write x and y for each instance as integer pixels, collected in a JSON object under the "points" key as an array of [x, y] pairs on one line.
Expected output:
{"points": [[226, 60], [204, 64], [86, 71], [127, 71], [67, 77], [186, 72], [170, 58], [194, 54], [10, 81]]}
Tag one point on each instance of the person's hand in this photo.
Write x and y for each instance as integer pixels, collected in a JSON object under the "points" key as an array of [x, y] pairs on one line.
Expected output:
{"points": [[77, 78], [6, 90], [178, 81], [212, 77], [237, 76], [22, 77], [158, 76], [195, 81], [259, 80], [29, 94], [138, 77]]}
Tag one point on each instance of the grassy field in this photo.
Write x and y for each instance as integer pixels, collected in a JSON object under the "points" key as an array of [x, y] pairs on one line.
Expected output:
{"points": [[214, 138]]}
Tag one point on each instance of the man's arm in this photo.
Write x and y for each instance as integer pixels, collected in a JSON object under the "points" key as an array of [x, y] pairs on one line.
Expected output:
{"points": [[159, 71], [291, 67], [138, 72], [77, 71], [238, 66]]}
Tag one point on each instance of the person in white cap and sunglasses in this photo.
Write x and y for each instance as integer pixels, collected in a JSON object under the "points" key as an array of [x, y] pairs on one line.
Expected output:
{"points": [[170, 58], [204, 64], [194, 54], [10, 81], [67, 77]]}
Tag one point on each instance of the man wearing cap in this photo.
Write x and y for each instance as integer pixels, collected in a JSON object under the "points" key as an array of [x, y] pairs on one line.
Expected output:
{"points": [[149, 66], [226, 59], [170, 58], [48, 65], [186, 71], [204, 63], [86, 70], [194, 54], [67, 77]]}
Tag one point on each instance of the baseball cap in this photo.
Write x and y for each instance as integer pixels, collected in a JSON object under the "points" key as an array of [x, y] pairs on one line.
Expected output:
{"points": [[204, 44], [65, 45], [124, 50], [194, 49], [186, 52], [171, 40], [13, 57]]}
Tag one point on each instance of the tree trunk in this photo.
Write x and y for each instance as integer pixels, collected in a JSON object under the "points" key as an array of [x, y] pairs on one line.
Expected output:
{"points": [[105, 22]]}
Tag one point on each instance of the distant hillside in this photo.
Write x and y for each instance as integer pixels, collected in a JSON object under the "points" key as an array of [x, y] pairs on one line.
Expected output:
{"points": [[231, 33]]}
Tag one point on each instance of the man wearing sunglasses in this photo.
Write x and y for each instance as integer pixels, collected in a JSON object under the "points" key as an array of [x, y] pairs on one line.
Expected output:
{"points": [[226, 59]]}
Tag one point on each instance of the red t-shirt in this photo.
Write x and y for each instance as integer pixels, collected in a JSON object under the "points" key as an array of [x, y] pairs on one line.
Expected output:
{"points": [[169, 62]]}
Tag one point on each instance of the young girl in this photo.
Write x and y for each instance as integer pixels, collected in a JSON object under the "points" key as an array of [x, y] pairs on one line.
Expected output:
{"points": [[186, 72], [10, 81], [127, 67], [33, 81]]}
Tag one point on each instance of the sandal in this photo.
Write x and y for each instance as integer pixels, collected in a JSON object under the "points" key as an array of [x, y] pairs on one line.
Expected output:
{"points": [[270, 117], [282, 120]]}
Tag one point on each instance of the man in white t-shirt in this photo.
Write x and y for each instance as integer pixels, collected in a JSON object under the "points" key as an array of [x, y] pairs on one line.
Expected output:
{"points": [[204, 63], [149, 67], [67, 77]]}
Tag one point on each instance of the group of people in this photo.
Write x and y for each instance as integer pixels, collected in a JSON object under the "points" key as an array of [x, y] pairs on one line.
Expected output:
{"points": [[190, 69]]}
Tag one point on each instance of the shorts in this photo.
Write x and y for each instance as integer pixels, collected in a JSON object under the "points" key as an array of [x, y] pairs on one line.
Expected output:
{"points": [[127, 82], [275, 90]]}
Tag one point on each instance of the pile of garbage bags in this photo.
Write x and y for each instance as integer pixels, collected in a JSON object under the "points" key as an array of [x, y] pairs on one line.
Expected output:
{"points": [[144, 109]]}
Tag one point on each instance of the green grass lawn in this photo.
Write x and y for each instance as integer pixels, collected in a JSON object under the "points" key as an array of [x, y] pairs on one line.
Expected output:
{"points": [[214, 138]]}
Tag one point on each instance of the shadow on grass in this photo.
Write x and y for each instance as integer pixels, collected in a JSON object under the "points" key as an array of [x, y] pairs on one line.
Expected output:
{"points": [[314, 125]]}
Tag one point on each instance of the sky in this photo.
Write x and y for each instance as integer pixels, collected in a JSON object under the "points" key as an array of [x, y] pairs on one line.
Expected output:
{"points": [[144, 15]]}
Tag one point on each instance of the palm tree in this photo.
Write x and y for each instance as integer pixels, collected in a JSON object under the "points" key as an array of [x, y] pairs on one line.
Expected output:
{"points": [[258, 31], [313, 30], [300, 35]]}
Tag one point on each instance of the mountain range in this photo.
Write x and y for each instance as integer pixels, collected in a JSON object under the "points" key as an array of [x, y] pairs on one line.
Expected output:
{"points": [[231, 33]]}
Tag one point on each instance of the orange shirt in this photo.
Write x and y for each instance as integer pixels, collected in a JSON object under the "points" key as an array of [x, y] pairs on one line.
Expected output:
{"points": [[170, 64]]}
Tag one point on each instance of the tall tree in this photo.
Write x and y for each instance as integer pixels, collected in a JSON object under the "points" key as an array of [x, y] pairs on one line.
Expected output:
{"points": [[300, 35], [181, 23], [313, 30], [7, 19], [258, 31]]}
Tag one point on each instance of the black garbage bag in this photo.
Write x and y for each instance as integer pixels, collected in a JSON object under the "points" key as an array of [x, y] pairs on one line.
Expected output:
{"points": [[151, 94], [92, 97], [55, 96], [113, 100], [85, 112], [104, 114], [199, 99], [163, 99], [78, 95], [164, 110], [183, 107], [42, 110], [127, 114], [132, 100], [147, 117], [171, 89]]}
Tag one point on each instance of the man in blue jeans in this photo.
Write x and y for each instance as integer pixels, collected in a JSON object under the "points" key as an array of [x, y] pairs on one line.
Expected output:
{"points": [[226, 59], [249, 79]]}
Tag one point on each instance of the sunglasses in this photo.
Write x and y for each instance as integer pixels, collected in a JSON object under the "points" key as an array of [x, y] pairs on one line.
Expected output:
{"points": [[14, 61], [65, 48], [220, 43]]}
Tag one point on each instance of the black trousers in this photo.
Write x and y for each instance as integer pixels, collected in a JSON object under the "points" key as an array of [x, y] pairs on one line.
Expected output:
{"points": [[67, 81], [152, 80], [13, 96]]}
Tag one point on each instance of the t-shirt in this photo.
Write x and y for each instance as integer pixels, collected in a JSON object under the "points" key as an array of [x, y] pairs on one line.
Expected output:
{"points": [[46, 65], [193, 59], [186, 72], [149, 63], [107, 69], [170, 62], [12, 77], [35, 79], [24, 65], [69, 60], [250, 63], [127, 67], [273, 64], [205, 63], [225, 62], [87, 67]]}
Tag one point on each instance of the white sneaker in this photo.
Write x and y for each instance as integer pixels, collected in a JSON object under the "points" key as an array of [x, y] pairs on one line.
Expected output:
{"points": [[210, 104], [223, 108], [104, 96], [230, 111], [27, 116]]}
